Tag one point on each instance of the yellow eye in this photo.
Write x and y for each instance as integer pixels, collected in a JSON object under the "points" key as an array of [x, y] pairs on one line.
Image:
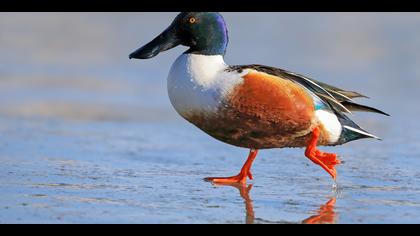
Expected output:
{"points": [[192, 20]]}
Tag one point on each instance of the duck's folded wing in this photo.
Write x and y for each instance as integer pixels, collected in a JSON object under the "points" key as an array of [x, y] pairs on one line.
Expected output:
{"points": [[338, 99]]}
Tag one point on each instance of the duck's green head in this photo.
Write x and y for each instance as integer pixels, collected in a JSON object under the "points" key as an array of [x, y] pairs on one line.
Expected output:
{"points": [[203, 32]]}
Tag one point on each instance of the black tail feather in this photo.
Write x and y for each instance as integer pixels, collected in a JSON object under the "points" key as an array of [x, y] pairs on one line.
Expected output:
{"points": [[358, 107]]}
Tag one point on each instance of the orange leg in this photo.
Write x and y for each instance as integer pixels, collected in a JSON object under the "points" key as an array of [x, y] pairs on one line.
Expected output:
{"points": [[241, 177], [326, 160]]}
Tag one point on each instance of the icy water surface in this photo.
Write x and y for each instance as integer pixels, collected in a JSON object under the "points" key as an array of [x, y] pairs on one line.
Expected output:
{"points": [[88, 136]]}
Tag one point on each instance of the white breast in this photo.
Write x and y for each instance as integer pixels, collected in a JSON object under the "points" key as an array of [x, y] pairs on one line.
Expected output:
{"points": [[198, 83]]}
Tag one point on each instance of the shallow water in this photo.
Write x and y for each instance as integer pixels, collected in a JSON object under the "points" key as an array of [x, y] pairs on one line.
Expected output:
{"points": [[105, 172], [87, 136]]}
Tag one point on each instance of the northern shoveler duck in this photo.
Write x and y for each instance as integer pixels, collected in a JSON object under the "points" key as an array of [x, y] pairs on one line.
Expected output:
{"points": [[251, 106]]}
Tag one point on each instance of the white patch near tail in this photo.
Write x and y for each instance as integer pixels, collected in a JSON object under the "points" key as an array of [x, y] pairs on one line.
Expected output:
{"points": [[330, 123]]}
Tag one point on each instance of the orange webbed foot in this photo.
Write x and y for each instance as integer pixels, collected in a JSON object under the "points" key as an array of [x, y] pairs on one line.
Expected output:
{"points": [[242, 176], [327, 158], [327, 161], [327, 165], [227, 180]]}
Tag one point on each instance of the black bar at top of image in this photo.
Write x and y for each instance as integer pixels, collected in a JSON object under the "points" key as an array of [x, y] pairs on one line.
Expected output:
{"points": [[210, 5]]}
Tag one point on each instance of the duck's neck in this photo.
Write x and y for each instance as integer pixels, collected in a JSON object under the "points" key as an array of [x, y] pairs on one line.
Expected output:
{"points": [[218, 48], [204, 68]]}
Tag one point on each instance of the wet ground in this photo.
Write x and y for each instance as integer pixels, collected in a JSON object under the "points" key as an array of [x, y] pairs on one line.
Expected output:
{"points": [[87, 136], [104, 172]]}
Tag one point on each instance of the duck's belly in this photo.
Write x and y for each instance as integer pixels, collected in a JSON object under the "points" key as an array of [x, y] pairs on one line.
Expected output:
{"points": [[250, 132]]}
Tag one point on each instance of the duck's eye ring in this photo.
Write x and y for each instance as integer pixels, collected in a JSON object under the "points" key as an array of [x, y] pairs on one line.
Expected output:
{"points": [[192, 20]]}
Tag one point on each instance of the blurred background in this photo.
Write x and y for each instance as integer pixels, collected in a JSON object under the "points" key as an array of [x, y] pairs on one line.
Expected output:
{"points": [[87, 135], [75, 65]]}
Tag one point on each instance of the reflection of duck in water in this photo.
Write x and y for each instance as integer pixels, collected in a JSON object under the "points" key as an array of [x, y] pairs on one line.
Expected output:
{"points": [[326, 214], [244, 192]]}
